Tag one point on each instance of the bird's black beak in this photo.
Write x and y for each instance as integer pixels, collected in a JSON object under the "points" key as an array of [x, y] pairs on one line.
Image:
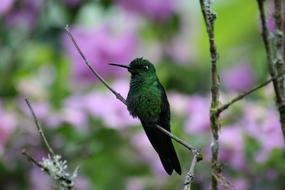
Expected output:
{"points": [[123, 66]]}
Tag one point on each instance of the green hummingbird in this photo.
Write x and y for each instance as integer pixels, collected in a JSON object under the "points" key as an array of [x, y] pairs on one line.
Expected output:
{"points": [[147, 100]]}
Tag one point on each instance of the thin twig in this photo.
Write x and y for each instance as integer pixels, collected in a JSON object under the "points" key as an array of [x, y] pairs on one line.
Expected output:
{"points": [[243, 95], [119, 97], [209, 18], [190, 175], [32, 159], [196, 152], [40, 130]]}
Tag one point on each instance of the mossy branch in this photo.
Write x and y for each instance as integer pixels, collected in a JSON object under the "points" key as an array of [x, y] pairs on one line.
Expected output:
{"points": [[209, 19], [275, 55]]}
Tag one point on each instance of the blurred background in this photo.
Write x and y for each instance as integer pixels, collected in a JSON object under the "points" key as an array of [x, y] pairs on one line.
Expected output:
{"points": [[91, 129]]}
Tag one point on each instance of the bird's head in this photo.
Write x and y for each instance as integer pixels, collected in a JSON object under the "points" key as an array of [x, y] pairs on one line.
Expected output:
{"points": [[139, 66]]}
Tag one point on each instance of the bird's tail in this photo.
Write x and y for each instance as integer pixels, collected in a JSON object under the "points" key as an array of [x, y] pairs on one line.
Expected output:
{"points": [[164, 147]]}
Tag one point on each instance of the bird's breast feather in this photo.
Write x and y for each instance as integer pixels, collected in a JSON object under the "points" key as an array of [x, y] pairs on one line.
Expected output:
{"points": [[145, 105]]}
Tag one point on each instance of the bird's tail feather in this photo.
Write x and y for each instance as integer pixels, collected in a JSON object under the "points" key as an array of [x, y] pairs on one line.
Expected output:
{"points": [[164, 147]]}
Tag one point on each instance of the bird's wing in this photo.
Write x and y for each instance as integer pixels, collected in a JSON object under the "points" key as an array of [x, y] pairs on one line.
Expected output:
{"points": [[164, 121], [164, 116]]}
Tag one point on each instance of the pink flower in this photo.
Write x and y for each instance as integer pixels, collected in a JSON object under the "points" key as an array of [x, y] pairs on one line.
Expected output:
{"points": [[101, 46], [232, 146], [240, 183], [239, 77], [5, 6], [264, 126], [156, 9], [39, 180], [178, 103], [73, 112], [82, 183], [198, 115], [105, 106], [26, 14], [179, 49]]}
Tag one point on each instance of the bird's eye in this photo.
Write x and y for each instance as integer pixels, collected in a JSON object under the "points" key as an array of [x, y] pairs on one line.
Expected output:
{"points": [[146, 67]]}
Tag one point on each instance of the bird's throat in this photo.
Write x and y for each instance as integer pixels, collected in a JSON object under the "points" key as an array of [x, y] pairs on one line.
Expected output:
{"points": [[140, 82]]}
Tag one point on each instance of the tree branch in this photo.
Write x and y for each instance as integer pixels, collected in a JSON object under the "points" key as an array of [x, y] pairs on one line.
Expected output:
{"points": [[272, 64], [40, 130], [190, 175], [265, 38], [243, 95], [196, 152], [94, 72], [278, 58], [209, 18]]}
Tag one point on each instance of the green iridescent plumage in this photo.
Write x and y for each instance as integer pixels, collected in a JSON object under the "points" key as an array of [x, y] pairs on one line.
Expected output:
{"points": [[147, 100]]}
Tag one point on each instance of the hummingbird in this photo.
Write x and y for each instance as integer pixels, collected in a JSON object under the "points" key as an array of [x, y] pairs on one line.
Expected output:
{"points": [[148, 101]]}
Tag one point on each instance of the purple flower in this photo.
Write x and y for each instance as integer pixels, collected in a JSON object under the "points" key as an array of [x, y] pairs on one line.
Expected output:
{"points": [[105, 106], [179, 49], [264, 126], [101, 46], [240, 183], [178, 103], [25, 15], [156, 9], [197, 115], [73, 112], [232, 146], [39, 180], [5, 6], [239, 77], [82, 183]]}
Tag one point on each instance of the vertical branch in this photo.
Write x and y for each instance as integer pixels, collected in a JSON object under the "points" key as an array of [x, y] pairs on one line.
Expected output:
{"points": [[209, 18], [265, 38], [273, 69], [278, 58]]}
